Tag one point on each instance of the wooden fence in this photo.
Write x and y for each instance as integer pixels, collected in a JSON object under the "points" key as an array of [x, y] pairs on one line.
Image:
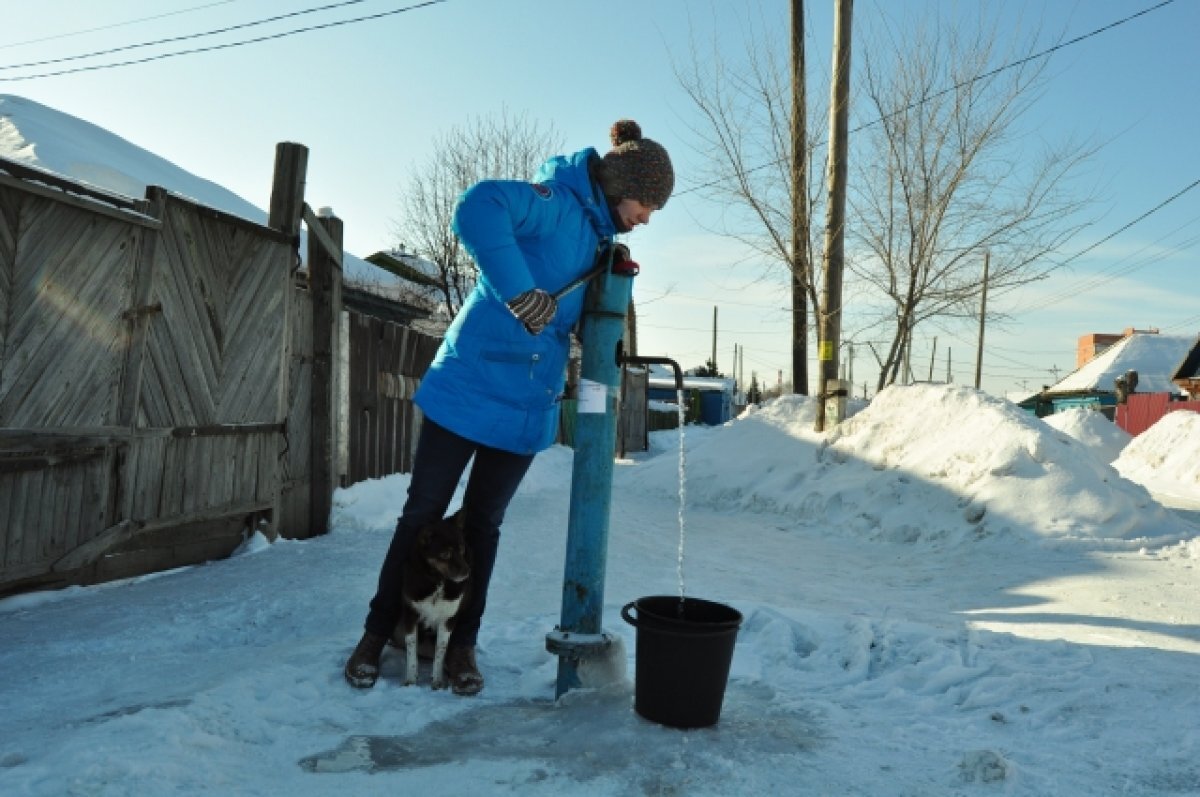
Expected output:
{"points": [[167, 383], [386, 361]]}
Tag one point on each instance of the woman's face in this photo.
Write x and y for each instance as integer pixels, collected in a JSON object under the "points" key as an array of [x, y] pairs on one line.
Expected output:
{"points": [[632, 213]]}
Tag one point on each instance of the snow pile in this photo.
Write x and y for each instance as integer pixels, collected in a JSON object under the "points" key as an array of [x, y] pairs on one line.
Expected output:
{"points": [[1165, 455], [1091, 429], [920, 463]]}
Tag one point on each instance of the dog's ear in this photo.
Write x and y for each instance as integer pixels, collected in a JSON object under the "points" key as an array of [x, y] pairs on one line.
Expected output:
{"points": [[459, 518]]}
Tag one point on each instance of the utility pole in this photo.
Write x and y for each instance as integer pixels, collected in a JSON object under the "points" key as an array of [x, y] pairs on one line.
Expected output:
{"points": [[714, 354], [801, 267], [982, 317], [835, 218]]}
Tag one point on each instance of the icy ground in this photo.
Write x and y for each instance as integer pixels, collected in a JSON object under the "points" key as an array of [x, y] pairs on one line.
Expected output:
{"points": [[943, 597]]}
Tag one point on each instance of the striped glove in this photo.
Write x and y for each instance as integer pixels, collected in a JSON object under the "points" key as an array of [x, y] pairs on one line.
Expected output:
{"points": [[533, 308]]}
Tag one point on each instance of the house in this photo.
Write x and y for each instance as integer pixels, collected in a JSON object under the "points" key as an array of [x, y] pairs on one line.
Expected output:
{"points": [[711, 395], [1143, 361], [1187, 376], [1143, 410]]}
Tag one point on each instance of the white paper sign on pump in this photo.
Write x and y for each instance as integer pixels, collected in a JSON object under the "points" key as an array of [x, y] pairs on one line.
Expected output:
{"points": [[593, 397]]}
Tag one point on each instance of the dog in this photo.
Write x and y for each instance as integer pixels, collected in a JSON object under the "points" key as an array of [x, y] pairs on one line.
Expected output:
{"points": [[437, 585]]}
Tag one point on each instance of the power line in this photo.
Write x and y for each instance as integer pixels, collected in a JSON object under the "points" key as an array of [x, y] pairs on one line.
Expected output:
{"points": [[228, 45], [187, 37], [114, 25], [1097, 282], [963, 84]]}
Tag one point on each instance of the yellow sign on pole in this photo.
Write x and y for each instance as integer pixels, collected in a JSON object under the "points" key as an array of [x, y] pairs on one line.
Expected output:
{"points": [[825, 351]]}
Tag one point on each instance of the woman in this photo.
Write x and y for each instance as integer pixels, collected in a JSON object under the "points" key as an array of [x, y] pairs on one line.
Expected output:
{"points": [[492, 392]]}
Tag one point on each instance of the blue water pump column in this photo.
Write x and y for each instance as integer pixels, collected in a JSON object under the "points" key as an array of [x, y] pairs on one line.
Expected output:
{"points": [[579, 633]]}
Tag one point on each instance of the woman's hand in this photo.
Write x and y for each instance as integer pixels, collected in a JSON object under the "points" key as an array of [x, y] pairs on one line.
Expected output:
{"points": [[533, 308]]}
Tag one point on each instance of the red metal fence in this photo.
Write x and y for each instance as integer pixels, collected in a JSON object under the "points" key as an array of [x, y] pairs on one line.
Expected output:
{"points": [[1143, 410]]}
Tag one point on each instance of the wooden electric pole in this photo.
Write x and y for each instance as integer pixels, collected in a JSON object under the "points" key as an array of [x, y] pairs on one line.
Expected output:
{"points": [[835, 217], [982, 316], [800, 265], [714, 354]]}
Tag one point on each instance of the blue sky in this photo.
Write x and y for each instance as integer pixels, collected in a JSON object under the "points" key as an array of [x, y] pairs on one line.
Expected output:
{"points": [[367, 99]]}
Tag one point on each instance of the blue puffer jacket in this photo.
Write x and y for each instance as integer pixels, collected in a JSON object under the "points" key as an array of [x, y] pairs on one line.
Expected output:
{"points": [[493, 382]]}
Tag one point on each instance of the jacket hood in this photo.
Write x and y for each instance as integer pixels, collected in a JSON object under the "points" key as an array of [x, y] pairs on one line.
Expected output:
{"points": [[572, 172]]}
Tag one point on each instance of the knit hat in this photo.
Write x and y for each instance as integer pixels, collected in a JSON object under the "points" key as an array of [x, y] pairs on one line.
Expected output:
{"points": [[636, 167]]}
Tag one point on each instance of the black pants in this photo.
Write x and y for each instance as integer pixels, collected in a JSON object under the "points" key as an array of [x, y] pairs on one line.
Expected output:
{"points": [[440, 461]]}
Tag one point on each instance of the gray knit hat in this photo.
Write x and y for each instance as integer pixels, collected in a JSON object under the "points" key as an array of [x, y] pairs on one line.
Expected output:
{"points": [[636, 168]]}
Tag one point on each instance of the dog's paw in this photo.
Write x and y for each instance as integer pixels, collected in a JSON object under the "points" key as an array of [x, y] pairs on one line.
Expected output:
{"points": [[438, 683]]}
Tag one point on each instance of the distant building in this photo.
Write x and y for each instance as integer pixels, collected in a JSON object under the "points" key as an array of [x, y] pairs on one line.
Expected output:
{"points": [[1093, 344], [1187, 375], [712, 396], [1151, 357]]}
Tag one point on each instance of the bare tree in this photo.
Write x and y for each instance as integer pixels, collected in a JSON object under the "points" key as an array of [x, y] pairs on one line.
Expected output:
{"points": [[746, 139], [947, 174], [502, 146]]}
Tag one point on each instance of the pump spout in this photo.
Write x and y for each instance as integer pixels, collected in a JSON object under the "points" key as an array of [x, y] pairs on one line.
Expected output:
{"points": [[632, 359]]}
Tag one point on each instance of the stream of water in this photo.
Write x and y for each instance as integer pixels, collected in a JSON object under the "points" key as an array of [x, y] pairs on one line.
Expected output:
{"points": [[682, 489]]}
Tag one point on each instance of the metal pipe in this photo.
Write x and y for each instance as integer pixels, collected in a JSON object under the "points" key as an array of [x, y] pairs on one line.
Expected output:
{"points": [[630, 359], [580, 633]]}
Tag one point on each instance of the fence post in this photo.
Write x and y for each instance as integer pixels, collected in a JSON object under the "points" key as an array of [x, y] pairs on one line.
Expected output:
{"points": [[287, 188], [286, 212], [325, 289]]}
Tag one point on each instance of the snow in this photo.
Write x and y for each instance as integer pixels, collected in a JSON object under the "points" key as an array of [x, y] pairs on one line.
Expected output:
{"points": [[1164, 457], [1090, 428], [44, 138], [944, 595], [1155, 357]]}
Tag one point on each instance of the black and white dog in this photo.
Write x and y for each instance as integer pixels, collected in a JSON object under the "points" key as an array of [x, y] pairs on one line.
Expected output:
{"points": [[437, 585]]}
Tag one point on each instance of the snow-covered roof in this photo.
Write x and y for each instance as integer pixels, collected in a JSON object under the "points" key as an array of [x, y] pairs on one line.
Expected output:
{"points": [[38, 136], [1154, 357], [1189, 366], [662, 376]]}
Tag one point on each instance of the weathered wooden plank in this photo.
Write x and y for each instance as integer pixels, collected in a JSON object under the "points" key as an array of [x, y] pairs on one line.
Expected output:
{"points": [[121, 533], [324, 287], [111, 205], [178, 334], [8, 509], [146, 467], [65, 329], [332, 247], [193, 335], [10, 203], [130, 381], [31, 505], [45, 459], [291, 517]]}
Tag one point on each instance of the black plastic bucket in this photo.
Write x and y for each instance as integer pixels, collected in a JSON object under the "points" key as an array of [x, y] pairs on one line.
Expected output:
{"points": [[684, 650]]}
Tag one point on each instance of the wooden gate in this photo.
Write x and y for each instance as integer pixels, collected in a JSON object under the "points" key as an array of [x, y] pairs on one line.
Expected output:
{"points": [[143, 380]]}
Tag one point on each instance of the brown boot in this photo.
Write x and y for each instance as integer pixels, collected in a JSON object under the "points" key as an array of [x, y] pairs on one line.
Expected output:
{"points": [[462, 672], [362, 668]]}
